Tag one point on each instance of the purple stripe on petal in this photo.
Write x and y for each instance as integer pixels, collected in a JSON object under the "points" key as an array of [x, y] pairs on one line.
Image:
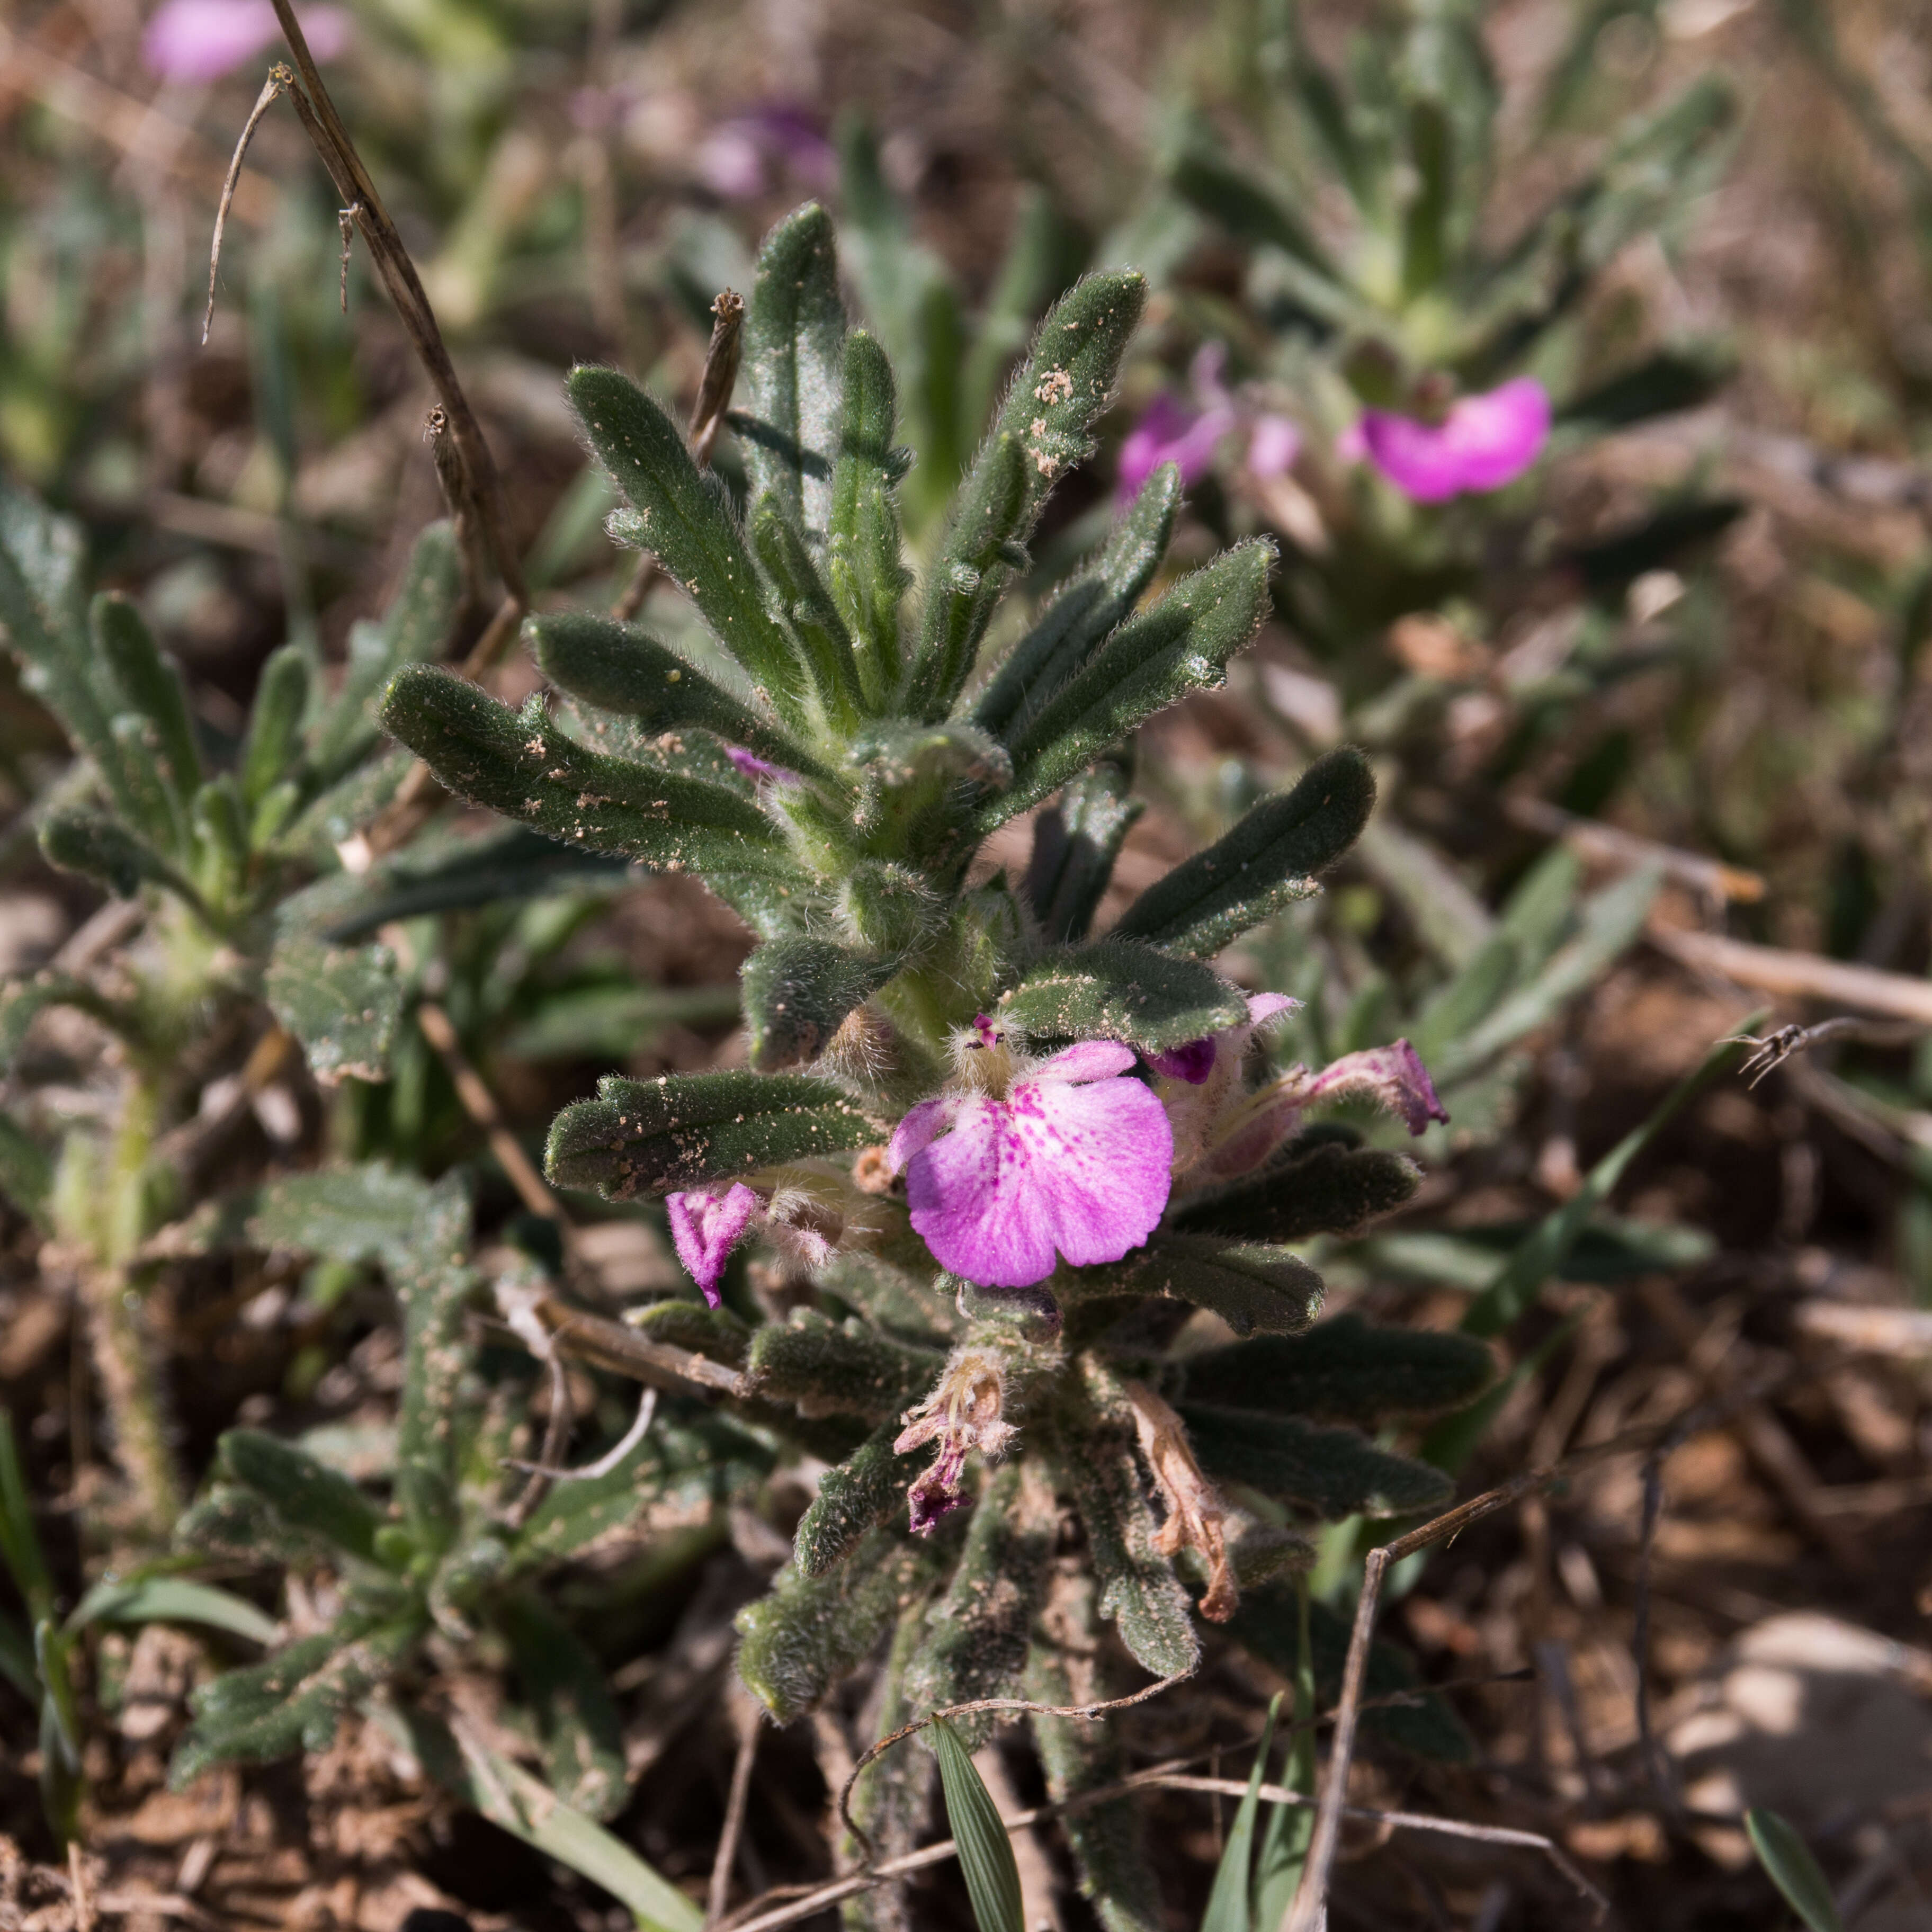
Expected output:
{"points": [[1193, 1062]]}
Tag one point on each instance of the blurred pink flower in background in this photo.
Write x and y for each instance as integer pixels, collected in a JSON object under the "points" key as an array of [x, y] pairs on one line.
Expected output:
{"points": [[1483, 442], [202, 40], [1189, 434], [741, 158]]}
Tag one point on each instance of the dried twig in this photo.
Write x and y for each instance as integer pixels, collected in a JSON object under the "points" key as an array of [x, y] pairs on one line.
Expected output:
{"points": [[721, 356], [1776, 1047], [541, 1320], [589, 1472], [1087, 1711], [749, 1723], [1770, 969], [1608, 845], [276, 83]]}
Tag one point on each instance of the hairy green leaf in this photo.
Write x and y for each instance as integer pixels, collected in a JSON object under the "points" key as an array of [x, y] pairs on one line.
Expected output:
{"points": [[831, 1368], [863, 563], [1267, 861], [797, 993], [1254, 1288], [1332, 1189], [853, 1499], [578, 1724], [152, 683], [97, 847], [307, 1496], [1115, 989], [1334, 1472], [343, 1003], [1074, 844]]}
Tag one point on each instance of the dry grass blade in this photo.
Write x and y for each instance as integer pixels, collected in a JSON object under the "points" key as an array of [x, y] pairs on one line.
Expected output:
{"points": [[271, 88], [1804, 975]]}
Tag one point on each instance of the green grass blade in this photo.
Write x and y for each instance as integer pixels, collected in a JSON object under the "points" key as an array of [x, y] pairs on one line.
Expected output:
{"points": [[1788, 1860], [986, 1852], [1227, 1902]]}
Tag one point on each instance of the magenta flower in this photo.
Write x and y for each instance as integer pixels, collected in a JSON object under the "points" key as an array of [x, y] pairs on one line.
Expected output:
{"points": [[202, 40], [1483, 442], [1066, 1155], [706, 1225], [1169, 431], [741, 158]]}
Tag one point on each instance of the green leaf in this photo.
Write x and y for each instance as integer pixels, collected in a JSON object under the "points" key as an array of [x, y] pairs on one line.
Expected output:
{"points": [[1075, 842], [1533, 1264], [1787, 1860], [986, 1861], [853, 1500], [344, 730], [221, 837], [274, 743], [1269, 860], [863, 564], [1345, 1370], [817, 627], [342, 1003], [685, 523], [307, 1496], [794, 342], [1333, 1472], [17, 1663], [1084, 614], [1661, 385], [650, 1136], [1043, 430], [1333, 1189], [172, 1600], [1254, 1288], [26, 1170], [1139, 1592], [831, 1368], [605, 1022], [1291, 1828], [1115, 989], [807, 1633], [1228, 1902], [95, 846], [1431, 142], [19, 1536], [1152, 661], [619, 667], [977, 1634], [582, 1735], [797, 993], [25, 1000], [152, 683], [519, 762]]}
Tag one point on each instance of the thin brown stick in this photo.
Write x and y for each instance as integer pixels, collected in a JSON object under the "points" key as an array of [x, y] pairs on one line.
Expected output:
{"points": [[610, 1345], [1088, 1711], [721, 356], [357, 189], [480, 1104], [1804, 975], [1608, 845], [748, 1716], [271, 88]]}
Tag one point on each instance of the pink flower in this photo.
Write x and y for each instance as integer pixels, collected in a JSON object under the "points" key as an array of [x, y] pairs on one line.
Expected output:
{"points": [[706, 1226], [1274, 443], [757, 768], [1169, 431], [1483, 442], [202, 40], [741, 158], [1066, 1154]]}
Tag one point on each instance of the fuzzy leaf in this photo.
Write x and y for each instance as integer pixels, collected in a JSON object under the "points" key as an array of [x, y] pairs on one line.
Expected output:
{"points": [[713, 1332], [1254, 1288], [650, 1136], [807, 1633], [26, 1169], [1074, 844], [1333, 1472], [901, 1301], [1042, 431], [1153, 660], [235, 1525], [831, 1368], [1267, 861], [25, 1000], [794, 343], [342, 1003], [1139, 1592], [796, 993], [823, 644], [977, 1635], [863, 564], [1346, 1370], [146, 1600], [686, 525], [581, 1733], [986, 1861], [1085, 613], [854, 1499], [95, 846], [152, 683], [1333, 1189], [618, 667], [274, 742], [1114, 990], [308, 1497], [519, 762]]}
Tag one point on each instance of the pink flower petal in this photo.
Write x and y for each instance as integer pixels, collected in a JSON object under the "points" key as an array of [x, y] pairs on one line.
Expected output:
{"points": [[1193, 1062], [706, 1226], [1263, 1007], [1483, 443], [200, 40], [1170, 432], [1274, 443], [1082, 1169], [921, 1125], [1089, 1060]]}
